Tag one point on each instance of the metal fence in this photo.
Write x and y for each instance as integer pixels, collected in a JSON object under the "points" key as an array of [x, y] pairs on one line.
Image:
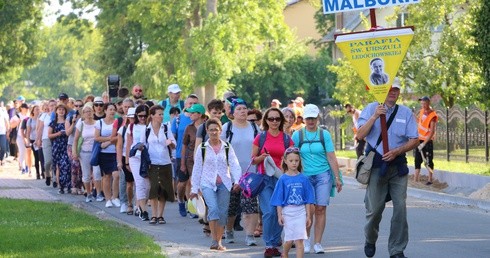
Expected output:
{"points": [[462, 133]]}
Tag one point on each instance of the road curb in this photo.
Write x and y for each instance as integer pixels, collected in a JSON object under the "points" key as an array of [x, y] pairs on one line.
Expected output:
{"points": [[436, 196]]}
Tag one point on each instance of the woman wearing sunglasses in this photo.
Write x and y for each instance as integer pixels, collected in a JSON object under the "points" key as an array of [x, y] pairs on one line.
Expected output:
{"points": [[321, 167], [142, 185], [274, 142]]}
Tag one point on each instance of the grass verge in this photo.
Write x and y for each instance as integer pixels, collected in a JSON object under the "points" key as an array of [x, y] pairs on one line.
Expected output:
{"points": [[45, 229], [475, 168]]}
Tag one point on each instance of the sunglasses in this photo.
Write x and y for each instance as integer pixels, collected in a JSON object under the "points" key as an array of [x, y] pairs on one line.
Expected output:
{"points": [[291, 150], [142, 116], [252, 120], [98, 105], [272, 119], [138, 90], [78, 106]]}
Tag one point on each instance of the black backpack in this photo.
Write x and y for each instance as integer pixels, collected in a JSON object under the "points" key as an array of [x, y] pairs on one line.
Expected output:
{"points": [[229, 133]]}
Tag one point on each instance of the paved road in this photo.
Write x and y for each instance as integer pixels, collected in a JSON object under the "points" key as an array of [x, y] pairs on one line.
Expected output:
{"points": [[436, 230]]}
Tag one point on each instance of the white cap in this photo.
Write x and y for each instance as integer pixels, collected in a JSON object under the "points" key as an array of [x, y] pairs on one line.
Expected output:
{"points": [[173, 88], [131, 112], [310, 111], [98, 99], [396, 83], [276, 101]]}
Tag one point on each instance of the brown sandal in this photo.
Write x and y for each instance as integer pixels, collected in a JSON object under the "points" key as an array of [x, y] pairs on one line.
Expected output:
{"points": [[153, 220], [130, 210]]}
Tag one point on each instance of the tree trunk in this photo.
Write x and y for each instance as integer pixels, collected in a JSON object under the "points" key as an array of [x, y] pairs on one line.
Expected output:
{"points": [[209, 92]]}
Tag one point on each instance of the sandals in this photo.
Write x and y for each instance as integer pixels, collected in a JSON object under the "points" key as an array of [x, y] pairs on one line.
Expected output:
{"points": [[153, 220], [206, 231], [130, 210], [161, 220]]}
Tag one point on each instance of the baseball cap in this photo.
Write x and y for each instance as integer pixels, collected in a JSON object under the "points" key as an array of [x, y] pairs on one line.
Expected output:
{"points": [[310, 111], [98, 99], [424, 98], [63, 96], [21, 98], [173, 88], [276, 101], [299, 100], [228, 94], [396, 83], [131, 112], [196, 108]]}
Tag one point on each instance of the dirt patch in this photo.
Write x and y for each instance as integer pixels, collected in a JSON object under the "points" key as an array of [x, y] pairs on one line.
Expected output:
{"points": [[482, 194]]}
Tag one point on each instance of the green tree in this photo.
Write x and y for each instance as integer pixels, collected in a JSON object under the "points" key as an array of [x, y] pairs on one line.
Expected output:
{"points": [[439, 60], [201, 43], [19, 45], [481, 32], [70, 63]]}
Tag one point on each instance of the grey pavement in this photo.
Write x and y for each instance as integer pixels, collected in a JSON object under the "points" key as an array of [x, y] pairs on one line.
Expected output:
{"points": [[437, 229]]}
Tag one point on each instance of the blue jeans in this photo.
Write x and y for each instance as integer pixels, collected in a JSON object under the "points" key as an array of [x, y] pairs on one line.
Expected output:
{"points": [[3, 146], [271, 230], [217, 202], [123, 196]]}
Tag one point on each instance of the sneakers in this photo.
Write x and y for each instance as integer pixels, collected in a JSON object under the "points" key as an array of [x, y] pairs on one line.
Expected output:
{"points": [[307, 246], [144, 216], [229, 237], [48, 181], [272, 252], [88, 198], [182, 210], [100, 198], [61, 191], [428, 183], [137, 211], [369, 249], [124, 208], [116, 202], [318, 248], [250, 240], [55, 184], [108, 204], [193, 216]]}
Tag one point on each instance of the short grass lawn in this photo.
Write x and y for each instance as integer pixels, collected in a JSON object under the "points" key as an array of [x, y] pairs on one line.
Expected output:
{"points": [[476, 168], [45, 229]]}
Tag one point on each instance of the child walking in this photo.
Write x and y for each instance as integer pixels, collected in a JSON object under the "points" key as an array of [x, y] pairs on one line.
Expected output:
{"points": [[293, 197]]}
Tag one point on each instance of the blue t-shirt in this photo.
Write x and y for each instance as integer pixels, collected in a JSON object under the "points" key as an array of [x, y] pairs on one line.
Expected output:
{"points": [[293, 190], [167, 106], [402, 129], [184, 121], [312, 154]]}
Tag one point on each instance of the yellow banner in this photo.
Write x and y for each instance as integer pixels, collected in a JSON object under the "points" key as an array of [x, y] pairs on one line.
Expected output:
{"points": [[376, 56]]}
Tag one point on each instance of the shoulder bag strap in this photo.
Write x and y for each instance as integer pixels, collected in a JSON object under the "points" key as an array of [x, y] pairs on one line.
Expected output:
{"points": [[390, 120]]}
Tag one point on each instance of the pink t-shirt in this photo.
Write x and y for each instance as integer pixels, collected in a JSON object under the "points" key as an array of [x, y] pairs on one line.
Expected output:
{"points": [[275, 146]]}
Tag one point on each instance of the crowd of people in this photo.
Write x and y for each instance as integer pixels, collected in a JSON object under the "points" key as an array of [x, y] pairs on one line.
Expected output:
{"points": [[149, 153]]}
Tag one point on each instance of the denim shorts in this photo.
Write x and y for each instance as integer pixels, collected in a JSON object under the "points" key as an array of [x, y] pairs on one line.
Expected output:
{"points": [[217, 202], [322, 183]]}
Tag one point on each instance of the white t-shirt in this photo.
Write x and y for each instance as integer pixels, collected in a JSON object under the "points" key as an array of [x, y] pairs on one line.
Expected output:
{"points": [[106, 131], [157, 145], [21, 120], [88, 135], [46, 119], [3, 124], [125, 139]]}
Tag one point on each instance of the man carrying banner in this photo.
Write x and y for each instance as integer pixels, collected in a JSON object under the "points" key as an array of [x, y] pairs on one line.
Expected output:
{"points": [[389, 175], [427, 122]]}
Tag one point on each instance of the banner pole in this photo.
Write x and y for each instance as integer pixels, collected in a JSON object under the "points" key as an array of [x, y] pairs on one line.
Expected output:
{"points": [[384, 129]]}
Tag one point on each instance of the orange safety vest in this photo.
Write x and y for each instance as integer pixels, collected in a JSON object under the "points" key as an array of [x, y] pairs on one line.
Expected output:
{"points": [[424, 125]]}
